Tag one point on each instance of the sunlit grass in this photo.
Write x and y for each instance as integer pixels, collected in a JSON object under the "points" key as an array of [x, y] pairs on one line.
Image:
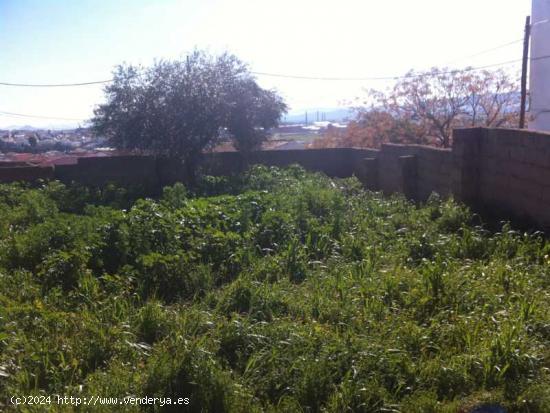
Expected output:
{"points": [[278, 290]]}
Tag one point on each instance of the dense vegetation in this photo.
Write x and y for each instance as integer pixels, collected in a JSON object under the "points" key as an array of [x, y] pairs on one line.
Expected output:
{"points": [[279, 290], [182, 107]]}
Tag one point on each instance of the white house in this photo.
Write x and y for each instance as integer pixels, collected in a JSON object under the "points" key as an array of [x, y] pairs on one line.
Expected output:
{"points": [[539, 88]]}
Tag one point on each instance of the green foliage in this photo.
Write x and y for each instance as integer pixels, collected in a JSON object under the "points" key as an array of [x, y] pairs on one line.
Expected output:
{"points": [[174, 196], [171, 276], [276, 290], [179, 108], [62, 269]]}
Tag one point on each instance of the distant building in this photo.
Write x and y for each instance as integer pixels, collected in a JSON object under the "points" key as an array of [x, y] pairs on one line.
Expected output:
{"points": [[539, 89]]}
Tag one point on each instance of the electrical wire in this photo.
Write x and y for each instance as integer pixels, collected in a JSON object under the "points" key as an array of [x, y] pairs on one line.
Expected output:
{"points": [[97, 82], [38, 116], [412, 75], [485, 51], [269, 74], [280, 75]]}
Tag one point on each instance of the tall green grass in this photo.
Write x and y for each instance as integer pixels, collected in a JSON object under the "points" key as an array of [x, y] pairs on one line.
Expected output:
{"points": [[277, 290]]}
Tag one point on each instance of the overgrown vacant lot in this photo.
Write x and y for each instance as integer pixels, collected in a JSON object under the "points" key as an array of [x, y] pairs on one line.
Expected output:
{"points": [[279, 290]]}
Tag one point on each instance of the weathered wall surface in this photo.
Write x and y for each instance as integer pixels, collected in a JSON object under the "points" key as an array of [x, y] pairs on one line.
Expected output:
{"points": [[25, 173], [414, 170], [125, 170], [504, 169], [514, 172], [339, 162]]}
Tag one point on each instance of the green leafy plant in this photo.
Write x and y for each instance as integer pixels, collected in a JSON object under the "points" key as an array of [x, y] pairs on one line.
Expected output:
{"points": [[273, 290]]}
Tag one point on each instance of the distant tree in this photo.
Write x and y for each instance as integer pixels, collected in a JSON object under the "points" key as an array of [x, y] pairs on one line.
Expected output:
{"points": [[371, 128], [252, 112], [33, 141], [180, 108], [425, 107]]}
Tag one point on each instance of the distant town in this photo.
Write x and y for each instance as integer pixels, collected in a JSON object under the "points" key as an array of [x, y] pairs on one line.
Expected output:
{"points": [[38, 140], [47, 146]]}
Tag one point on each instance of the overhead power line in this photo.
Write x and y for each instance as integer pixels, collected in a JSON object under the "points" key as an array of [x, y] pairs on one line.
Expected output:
{"points": [[22, 115], [96, 82], [492, 49], [412, 75], [468, 69], [409, 76]]}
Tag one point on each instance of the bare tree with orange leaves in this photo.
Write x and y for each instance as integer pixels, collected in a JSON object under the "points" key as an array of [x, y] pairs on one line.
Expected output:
{"points": [[424, 108]]}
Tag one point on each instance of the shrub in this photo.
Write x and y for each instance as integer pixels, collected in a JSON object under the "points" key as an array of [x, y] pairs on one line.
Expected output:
{"points": [[174, 196], [63, 269], [286, 291], [169, 277], [152, 322]]}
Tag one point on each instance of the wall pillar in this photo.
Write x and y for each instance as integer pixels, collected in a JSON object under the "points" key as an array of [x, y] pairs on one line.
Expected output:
{"points": [[370, 169], [466, 164], [408, 167]]}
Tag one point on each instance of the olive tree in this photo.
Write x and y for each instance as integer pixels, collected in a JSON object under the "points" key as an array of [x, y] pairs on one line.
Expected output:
{"points": [[181, 108]]}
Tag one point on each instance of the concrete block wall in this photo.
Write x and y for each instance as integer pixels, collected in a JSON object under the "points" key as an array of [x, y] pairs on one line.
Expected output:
{"points": [[465, 164], [151, 173], [124, 170], [505, 171], [390, 174], [337, 162], [514, 172], [502, 171], [496, 169], [432, 170], [25, 173]]}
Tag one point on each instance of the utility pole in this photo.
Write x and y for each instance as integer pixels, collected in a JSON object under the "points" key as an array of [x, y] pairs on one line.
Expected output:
{"points": [[306, 118], [524, 71]]}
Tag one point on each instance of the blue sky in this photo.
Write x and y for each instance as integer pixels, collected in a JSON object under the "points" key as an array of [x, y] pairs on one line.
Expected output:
{"points": [[64, 41]]}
